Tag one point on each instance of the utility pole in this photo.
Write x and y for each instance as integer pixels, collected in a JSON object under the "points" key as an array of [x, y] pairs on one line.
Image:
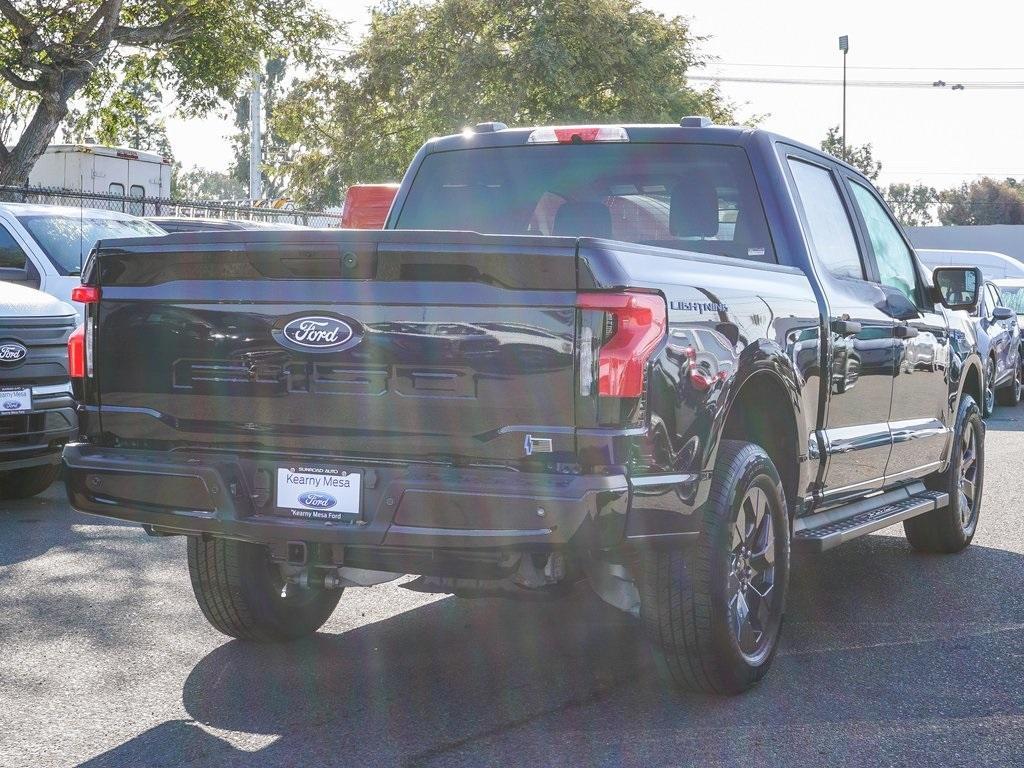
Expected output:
{"points": [[844, 46], [255, 138]]}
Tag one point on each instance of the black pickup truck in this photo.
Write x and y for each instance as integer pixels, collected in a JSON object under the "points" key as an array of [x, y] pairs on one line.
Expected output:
{"points": [[655, 358]]}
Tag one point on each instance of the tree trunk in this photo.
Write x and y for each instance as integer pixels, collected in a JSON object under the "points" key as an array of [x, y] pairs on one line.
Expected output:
{"points": [[51, 110]]}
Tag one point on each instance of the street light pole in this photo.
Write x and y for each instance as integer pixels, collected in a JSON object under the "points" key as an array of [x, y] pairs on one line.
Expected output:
{"points": [[255, 138], [844, 46]]}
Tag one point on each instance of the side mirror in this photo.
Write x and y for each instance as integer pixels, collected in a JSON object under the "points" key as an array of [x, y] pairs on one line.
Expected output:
{"points": [[1003, 313], [958, 288]]}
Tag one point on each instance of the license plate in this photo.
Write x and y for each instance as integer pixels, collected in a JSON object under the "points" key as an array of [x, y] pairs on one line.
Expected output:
{"points": [[328, 494], [15, 400]]}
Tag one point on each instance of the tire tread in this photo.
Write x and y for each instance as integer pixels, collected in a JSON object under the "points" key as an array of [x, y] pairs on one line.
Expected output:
{"points": [[226, 586], [676, 594]]}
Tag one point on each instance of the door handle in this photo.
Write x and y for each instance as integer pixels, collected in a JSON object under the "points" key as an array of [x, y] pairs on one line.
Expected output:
{"points": [[904, 331], [846, 327]]}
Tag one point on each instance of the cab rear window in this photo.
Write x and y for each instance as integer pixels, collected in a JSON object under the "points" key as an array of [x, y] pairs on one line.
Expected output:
{"points": [[693, 197]]}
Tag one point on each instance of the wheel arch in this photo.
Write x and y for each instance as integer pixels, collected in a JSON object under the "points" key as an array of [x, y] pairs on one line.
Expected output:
{"points": [[764, 410], [972, 383]]}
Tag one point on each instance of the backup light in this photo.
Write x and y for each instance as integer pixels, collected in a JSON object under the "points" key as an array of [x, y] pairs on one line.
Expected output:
{"points": [[580, 134]]}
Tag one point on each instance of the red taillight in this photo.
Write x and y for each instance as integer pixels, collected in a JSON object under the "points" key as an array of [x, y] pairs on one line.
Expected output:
{"points": [[640, 324], [85, 294], [76, 353]]}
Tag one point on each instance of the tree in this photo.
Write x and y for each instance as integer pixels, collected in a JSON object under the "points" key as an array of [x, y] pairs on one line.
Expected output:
{"points": [[431, 68], [51, 52], [986, 201], [124, 111], [912, 204], [860, 157], [201, 184]]}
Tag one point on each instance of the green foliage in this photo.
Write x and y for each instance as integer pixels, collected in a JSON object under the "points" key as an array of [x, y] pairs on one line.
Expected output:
{"points": [[119, 57], [860, 157], [201, 184], [986, 201], [912, 204], [123, 109], [431, 68]]}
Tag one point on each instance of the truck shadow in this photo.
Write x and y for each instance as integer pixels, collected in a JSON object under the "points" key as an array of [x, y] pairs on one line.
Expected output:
{"points": [[880, 643]]}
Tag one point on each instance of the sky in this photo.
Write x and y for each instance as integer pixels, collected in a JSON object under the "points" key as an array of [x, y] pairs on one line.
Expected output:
{"points": [[936, 136]]}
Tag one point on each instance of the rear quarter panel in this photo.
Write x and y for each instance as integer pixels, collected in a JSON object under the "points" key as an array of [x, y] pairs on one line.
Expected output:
{"points": [[730, 323]]}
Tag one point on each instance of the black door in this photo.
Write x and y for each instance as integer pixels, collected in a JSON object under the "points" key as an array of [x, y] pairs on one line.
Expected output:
{"points": [[919, 417], [860, 349]]}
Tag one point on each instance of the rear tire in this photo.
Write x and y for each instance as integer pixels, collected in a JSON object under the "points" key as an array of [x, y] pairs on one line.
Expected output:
{"points": [[1010, 394], [715, 625], [989, 406], [239, 590], [951, 528], [25, 483]]}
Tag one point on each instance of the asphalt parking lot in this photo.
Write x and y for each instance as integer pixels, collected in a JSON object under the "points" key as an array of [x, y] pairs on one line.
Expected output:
{"points": [[889, 658]]}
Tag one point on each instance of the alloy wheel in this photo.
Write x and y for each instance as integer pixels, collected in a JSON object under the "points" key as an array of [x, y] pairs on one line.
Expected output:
{"points": [[968, 481], [752, 575]]}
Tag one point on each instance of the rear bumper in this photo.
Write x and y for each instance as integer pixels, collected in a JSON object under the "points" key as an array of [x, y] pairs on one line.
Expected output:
{"points": [[403, 506], [36, 438]]}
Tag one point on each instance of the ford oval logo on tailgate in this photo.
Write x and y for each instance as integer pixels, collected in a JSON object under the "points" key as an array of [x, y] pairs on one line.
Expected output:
{"points": [[317, 500], [12, 352], [318, 332]]}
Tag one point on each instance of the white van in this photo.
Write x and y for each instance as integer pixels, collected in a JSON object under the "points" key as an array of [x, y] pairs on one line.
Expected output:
{"points": [[993, 265], [120, 171]]}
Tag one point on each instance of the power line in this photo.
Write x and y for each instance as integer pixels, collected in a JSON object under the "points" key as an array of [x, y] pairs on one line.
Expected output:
{"points": [[977, 85], [865, 67]]}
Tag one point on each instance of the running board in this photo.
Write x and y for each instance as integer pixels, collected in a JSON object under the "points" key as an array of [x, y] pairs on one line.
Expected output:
{"points": [[824, 530]]}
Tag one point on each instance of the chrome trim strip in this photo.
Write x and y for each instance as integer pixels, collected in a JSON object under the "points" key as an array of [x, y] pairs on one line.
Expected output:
{"points": [[51, 389]]}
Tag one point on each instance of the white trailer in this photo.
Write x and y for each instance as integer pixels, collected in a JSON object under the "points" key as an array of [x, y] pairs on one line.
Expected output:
{"points": [[121, 171]]}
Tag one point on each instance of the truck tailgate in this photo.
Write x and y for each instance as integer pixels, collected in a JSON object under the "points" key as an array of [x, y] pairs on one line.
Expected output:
{"points": [[412, 345]]}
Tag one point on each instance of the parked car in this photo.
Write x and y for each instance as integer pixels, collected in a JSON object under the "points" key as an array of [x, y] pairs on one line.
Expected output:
{"points": [[44, 246], [999, 343], [173, 224], [37, 415], [993, 265], [319, 423], [1011, 294]]}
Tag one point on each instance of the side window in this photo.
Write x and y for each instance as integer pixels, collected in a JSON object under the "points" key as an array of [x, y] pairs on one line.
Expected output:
{"points": [[984, 303], [895, 263], [830, 228], [116, 189], [994, 296], [11, 254]]}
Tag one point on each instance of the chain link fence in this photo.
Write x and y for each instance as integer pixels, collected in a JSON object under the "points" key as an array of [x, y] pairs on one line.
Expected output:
{"points": [[155, 206]]}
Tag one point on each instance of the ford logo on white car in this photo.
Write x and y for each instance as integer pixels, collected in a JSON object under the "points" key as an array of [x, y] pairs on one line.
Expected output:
{"points": [[318, 332], [12, 352], [317, 500]]}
